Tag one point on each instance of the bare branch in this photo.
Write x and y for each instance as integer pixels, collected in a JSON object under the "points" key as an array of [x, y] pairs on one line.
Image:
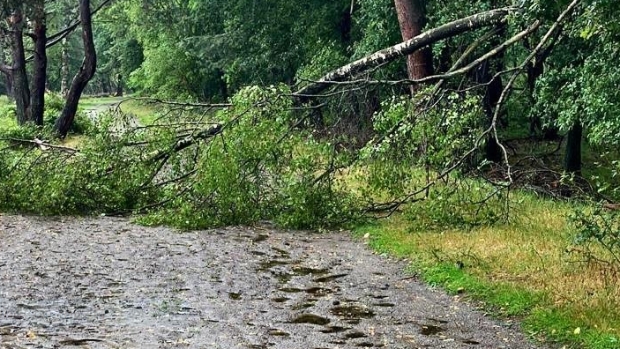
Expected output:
{"points": [[509, 86], [57, 37], [44, 146]]}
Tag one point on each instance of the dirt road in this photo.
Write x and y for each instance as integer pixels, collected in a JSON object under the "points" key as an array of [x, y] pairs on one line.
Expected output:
{"points": [[105, 283]]}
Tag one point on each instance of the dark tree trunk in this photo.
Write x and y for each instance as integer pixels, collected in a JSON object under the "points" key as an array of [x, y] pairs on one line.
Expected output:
{"points": [[21, 91], [412, 19], [39, 73], [345, 25], [572, 157], [119, 85], [81, 79]]}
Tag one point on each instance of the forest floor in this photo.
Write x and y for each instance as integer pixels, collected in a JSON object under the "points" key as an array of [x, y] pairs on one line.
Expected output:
{"points": [[107, 283]]}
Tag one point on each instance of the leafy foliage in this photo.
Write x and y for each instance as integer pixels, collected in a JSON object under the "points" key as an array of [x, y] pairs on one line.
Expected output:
{"points": [[256, 169], [598, 229]]}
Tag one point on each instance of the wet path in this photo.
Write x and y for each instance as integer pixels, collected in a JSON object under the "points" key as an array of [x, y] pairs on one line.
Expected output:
{"points": [[105, 283]]}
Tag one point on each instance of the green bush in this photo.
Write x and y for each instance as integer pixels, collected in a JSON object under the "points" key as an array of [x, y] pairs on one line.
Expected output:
{"points": [[256, 169], [598, 231], [7, 111], [54, 105]]}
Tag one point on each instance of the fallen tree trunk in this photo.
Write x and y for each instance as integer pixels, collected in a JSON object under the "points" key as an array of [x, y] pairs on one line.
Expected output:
{"points": [[429, 37]]}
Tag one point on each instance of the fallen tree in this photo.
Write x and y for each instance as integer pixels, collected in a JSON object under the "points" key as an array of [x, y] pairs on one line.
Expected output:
{"points": [[429, 37]]}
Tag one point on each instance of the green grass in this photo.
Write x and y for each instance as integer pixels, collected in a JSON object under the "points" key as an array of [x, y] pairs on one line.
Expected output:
{"points": [[146, 113], [7, 117], [93, 102]]}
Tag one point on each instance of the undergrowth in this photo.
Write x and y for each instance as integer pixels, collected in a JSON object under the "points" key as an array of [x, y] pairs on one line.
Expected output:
{"points": [[253, 167]]}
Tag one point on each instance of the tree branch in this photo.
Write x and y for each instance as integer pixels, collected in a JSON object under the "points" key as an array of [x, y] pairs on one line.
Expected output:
{"points": [[57, 37], [405, 48]]}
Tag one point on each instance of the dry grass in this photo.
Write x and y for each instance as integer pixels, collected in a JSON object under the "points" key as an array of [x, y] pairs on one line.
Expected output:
{"points": [[531, 252]]}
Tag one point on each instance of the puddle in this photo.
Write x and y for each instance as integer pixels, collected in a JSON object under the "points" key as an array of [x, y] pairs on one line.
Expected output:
{"points": [[329, 278], [258, 253], [384, 304], [352, 312], [234, 296], [430, 330], [310, 319], [303, 271], [355, 334], [335, 329], [280, 299], [319, 291], [470, 341], [261, 238], [265, 265], [278, 333], [290, 289], [365, 345], [380, 297], [305, 305]]}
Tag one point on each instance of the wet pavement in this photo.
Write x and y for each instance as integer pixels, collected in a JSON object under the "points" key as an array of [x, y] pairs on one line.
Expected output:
{"points": [[106, 283]]}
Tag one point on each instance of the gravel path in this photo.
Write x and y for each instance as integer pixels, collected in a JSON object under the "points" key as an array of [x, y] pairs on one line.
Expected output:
{"points": [[106, 283]]}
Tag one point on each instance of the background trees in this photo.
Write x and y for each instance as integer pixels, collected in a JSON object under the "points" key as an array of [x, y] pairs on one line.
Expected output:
{"points": [[29, 20]]}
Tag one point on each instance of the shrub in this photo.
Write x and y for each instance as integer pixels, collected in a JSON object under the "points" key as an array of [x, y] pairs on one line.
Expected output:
{"points": [[598, 232]]}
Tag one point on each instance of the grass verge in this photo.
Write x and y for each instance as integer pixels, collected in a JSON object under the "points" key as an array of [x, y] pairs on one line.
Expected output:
{"points": [[523, 269]]}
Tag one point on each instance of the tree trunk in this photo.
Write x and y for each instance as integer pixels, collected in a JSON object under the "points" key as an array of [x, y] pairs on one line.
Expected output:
{"points": [[81, 79], [412, 19], [572, 157], [119, 85], [21, 91], [492, 93], [64, 70], [391, 53], [39, 73]]}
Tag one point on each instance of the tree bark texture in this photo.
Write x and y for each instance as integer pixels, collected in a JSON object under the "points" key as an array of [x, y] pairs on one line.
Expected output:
{"points": [[21, 91], [411, 20], [572, 156], [405, 48], [81, 79], [39, 72]]}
